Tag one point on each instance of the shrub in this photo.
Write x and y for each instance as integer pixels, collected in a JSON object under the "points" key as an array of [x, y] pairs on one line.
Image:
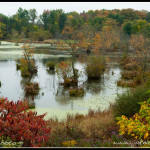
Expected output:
{"points": [[25, 69], [76, 92], [40, 35], [139, 125], [50, 65], [23, 126], [127, 103], [65, 71], [69, 81], [32, 88], [95, 67], [18, 66]]}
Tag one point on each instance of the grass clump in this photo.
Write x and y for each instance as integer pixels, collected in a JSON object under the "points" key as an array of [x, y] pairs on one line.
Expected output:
{"points": [[69, 81], [95, 67], [50, 65], [76, 92], [27, 69], [18, 66], [32, 88]]}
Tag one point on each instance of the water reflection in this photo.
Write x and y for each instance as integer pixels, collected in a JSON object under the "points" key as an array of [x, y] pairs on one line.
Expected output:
{"points": [[93, 87], [52, 95]]}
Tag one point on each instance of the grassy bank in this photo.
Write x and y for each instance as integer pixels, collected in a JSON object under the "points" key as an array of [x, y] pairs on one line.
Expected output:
{"points": [[96, 129], [127, 103]]}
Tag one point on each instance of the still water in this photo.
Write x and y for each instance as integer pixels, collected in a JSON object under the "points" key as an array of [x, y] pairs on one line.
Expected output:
{"points": [[53, 98]]}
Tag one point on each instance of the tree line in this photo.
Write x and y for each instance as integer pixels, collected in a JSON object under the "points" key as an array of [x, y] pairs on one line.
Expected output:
{"points": [[112, 25]]}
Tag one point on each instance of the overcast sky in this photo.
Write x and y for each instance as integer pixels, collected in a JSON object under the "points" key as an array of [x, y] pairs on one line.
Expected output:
{"points": [[10, 8]]}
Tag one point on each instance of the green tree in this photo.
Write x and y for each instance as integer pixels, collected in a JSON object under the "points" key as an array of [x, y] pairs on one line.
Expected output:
{"points": [[127, 28], [146, 30], [117, 17], [148, 17], [21, 20], [138, 26], [62, 20], [45, 17], [33, 15], [2, 30], [97, 23]]}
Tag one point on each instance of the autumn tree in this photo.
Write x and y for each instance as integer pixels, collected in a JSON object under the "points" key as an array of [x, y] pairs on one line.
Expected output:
{"points": [[32, 15], [97, 44], [27, 64], [16, 36], [129, 14], [72, 45], [138, 42], [110, 35], [87, 35], [138, 26]]}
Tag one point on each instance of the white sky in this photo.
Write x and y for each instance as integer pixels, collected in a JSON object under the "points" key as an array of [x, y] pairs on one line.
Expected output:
{"points": [[10, 8]]}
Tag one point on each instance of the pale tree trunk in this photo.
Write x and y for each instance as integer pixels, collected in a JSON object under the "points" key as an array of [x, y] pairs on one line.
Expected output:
{"points": [[73, 68]]}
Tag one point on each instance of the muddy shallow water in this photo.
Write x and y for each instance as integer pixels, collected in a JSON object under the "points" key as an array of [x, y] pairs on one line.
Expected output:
{"points": [[53, 98]]}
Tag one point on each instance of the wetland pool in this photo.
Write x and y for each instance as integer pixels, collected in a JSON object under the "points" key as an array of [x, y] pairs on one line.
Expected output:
{"points": [[53, 98]]}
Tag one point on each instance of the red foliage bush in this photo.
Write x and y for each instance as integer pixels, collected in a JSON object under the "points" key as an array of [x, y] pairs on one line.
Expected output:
{"points": [[23, 126]]}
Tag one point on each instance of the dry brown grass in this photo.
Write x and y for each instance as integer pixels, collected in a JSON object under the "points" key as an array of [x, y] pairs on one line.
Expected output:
{"points": [[97, 124], [124, 83], [129, 74], [131, 66]]}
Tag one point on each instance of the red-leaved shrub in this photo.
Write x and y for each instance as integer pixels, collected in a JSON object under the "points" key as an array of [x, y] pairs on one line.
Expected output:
{"points": [[23, 126]]}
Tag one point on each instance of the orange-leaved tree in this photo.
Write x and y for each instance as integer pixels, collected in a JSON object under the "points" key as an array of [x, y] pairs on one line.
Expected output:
{"points": [[71, 42]]}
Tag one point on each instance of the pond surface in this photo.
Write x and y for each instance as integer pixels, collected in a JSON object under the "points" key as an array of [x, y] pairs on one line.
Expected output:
{"points": [[53, 98]]}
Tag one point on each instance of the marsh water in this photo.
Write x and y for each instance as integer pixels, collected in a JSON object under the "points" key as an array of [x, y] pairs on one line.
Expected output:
{"points": [[53, 98]]}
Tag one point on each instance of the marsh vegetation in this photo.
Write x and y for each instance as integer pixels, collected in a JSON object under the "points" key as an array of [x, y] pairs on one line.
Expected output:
{"points": [[89, 72]]}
